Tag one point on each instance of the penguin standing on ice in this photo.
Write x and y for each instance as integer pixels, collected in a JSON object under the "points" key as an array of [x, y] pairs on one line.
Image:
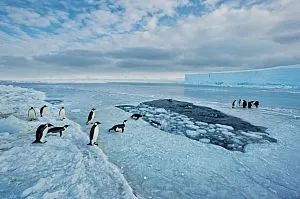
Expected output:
{"points": [[234, 104], [256, 104], [62, 113], [250, 104], [31, 114], [118, 127], [41, 133], [94, 134], [43, 110], [136, 116], [240, 102], [58, 129], [91, 116], [244, 103]]}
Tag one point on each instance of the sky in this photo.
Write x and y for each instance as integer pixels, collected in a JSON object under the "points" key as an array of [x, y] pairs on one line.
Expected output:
{"points": [[144, 39]]}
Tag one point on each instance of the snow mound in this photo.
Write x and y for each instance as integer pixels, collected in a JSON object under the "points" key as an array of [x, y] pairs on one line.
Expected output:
{"points": [[64, 167]]}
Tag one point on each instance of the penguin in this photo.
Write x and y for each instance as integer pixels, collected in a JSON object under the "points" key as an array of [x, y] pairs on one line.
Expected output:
{"points": [[170, 100], [43, 110], [118, 127], [256, 104], [41, 132], [234, 104], [250, 104], [155, 123], [240, 102], [91, 116], [244, 103], [31, 114], [58, 129], [136, 116], [94, 134], [62, 113]]}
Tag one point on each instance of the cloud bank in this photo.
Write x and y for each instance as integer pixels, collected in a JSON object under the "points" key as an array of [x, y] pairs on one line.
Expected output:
{"points": [[95, 39]]}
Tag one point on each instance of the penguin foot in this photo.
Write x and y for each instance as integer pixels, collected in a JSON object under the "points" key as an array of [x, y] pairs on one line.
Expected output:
{"points": [[90, 144], [96, 143]]}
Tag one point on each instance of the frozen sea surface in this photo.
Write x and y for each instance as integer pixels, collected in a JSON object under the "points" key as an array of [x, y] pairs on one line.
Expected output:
{"points": [[148, 162]]}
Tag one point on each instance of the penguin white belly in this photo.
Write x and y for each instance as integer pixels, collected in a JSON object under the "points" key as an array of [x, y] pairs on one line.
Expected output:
{"points": [[44, 134], [234, 105], [118, 129], [31, 115], [62, 114], [96, 133], [44, 111]]}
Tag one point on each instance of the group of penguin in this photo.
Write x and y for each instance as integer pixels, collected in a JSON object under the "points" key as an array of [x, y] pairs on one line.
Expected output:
{"points": [[244, 103], [44, 129]]}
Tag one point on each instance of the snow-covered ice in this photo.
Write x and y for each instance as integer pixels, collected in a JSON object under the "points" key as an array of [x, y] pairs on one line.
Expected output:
{"points": [[64, 167], [144, 159]]}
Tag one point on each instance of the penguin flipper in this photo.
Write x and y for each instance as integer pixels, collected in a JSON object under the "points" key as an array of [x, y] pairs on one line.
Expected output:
{"points": [[60, 133]]}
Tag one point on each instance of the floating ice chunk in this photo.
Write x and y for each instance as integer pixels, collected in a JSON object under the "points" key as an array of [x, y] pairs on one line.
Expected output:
{"points": [[211, 126], [192, 134], [161, 110], [204, 140], [148, 115], [201, 123], [202, 131], [225, 126], [211, 130], [227, 133], [192, 126]]}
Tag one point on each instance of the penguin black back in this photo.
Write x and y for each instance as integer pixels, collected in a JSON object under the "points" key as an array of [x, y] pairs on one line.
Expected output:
{"points": [[39, 132], [118, 126], [136, 116], [233, 104], [256, 104], [250, 104], [244, 103]]}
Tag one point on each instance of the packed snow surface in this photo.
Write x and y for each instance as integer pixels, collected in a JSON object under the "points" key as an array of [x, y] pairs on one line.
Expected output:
{"points": [[64, 167], [143, 160]]}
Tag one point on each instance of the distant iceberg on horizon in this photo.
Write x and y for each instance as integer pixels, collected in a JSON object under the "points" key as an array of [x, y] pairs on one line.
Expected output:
{"points": [[284, 76]]}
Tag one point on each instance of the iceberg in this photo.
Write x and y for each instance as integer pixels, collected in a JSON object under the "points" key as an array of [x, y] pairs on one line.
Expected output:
{"points": [[271, 77]]}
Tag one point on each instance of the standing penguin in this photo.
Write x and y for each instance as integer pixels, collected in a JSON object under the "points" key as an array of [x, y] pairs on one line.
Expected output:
{"points": [[62, 113], [91, 116], [41, 133], [256, 104], [250, 104], [31, 114], [43, 110], [118, 127], [240, 102], [94, 134], [234, 104], [244, 103]]}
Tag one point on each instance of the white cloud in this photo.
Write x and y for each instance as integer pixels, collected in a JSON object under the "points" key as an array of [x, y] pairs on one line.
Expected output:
{"points": [[265, 34]]}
